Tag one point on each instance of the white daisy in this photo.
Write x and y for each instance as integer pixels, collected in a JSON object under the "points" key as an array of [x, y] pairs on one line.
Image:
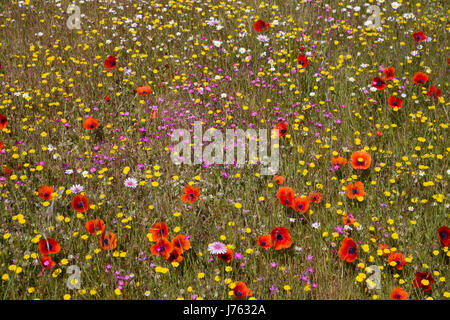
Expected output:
{"points": [[76, 188], [130, 183], [217, 248]]}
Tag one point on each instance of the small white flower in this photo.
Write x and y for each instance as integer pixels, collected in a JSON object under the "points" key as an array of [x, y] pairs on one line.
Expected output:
{"points": [[217, 248], [316, 225], [411, 209], [217, 43], [395, 5], [262, 38], [69, 171], [242, 50], [76, 188], [130, 183]]}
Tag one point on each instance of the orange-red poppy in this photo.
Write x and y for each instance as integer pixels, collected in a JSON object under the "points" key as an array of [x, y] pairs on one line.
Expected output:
{"points": [[48, 246], [190, 194], [241, 290], [265, 241], [378, 83], [348, 220], [395, 102], [180, 242], [338, 161], [300, 204], [282, 129], [107, 98], [110, 62], [47, 262], [355, 190], [93, 226], [399, 294], [398, 258], [108, 241], [7, 172], [389, 73], [90, 123], [383, 247], [420, 78], [144, 90], [286, 196], [1, 146], [281, 238], [45, 192], [444, 236], [227, 256], [348, 250], [260, 25], [162, 247], [315, 197], [3, 121], [159, 230], [360, 160], [302, 60], [419, 36], [434, 92], [423, 276], [175, 255], [80, 203], [278, 179]]}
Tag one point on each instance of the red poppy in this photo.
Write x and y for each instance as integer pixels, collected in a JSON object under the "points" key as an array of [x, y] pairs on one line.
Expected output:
{"points": [[355, 190], [420, 78], [175, 255], [315, 197], [395, 102], [107, 98], [399, 294], [302, 60], [379, 133], [47, 262], [80, 203], [378, 83], [434, 92], [241, 290], [278, 179], [348, 250], [281, 238], [1, 146], [265, 241], [190, 194], [260, 25], [282, 129], [348, 220], [419, 36], [180, 242], [300, 204], [163, 247], [7, 172], [110, 62], [90, 123], [428, 279], [159, 230], [389, 73], [108, 241], [144, 90], [45, 192], [92, 226], [3, 121], [227, 256], [338, 161], [48, 246], [444, 236], [286, 196], [360, 160], [398, 259]]}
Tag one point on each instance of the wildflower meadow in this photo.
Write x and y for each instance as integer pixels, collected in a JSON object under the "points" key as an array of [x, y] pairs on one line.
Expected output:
{"points": [[224, 150]]}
